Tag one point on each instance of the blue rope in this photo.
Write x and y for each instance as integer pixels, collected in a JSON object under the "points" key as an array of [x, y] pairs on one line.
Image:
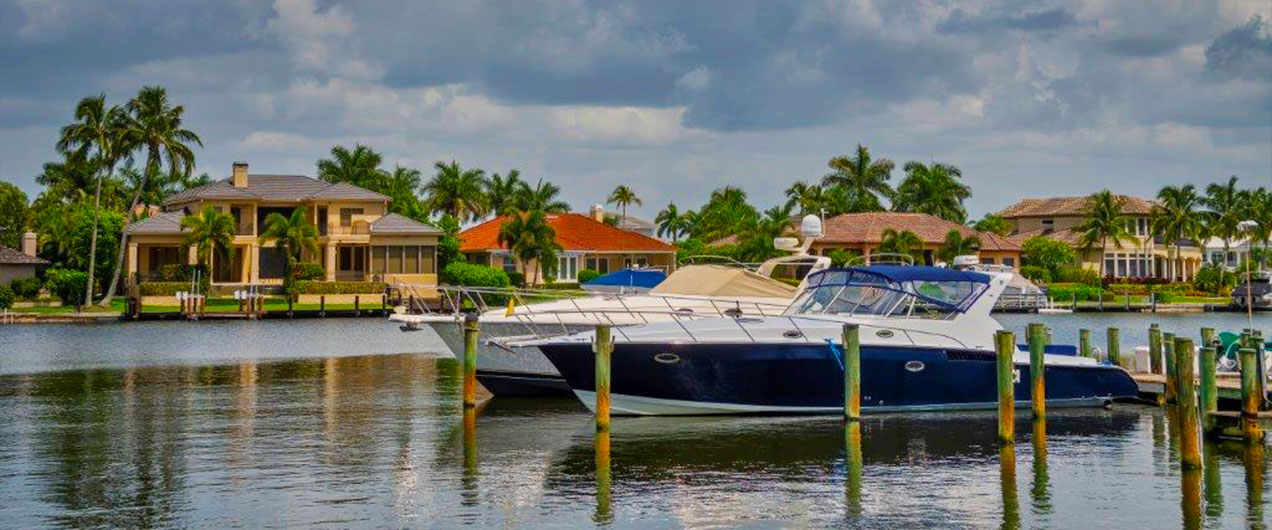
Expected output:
{"points": [[835, 353]]}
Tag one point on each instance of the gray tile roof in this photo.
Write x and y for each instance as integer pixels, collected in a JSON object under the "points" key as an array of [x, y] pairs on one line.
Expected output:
{"points": [[160, 223], [276, 188], [398, 224], [9, 256]]}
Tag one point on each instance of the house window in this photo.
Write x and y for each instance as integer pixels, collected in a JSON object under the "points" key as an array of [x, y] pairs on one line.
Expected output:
{"points": [[346, 216], [377, 260], [351, 259], [987, 261], [1010, 262], [600, 265], [1048, 226], [1143, 226], [509, 265], [567, 268]]}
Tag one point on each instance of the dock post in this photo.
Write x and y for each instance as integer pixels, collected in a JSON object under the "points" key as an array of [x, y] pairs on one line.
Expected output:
{"points": [[604, 478], [1115, 354], [1250, 397], [1037, 370], [322, 306], [1186, 388], [471, 331], [1005, 343], [1207, 337], [1073, 305], [1172, 371], [357, 311], [1209, 388], [852, 372], [1084, 342], [290, 299], [1155, 350], [604, 347], [1075, 302]]}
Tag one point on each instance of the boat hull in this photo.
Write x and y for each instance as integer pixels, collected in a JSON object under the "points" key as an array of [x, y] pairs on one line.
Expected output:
{"points": [[504, 371], [750, 378]]}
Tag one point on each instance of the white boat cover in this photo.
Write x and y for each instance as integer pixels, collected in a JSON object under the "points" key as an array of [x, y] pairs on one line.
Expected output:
{"points": [[720, 280]]}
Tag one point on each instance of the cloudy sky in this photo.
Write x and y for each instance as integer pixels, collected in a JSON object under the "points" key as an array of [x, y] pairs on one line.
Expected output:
{"points": [[673, 98]]}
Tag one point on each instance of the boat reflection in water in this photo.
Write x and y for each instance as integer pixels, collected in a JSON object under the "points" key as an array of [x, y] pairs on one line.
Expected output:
{"points": [[926, 344]]}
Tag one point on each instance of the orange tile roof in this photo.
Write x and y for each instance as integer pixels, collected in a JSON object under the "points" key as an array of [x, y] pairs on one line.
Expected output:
{"points": [[859, 228], [1069, 206], [576, 232]]}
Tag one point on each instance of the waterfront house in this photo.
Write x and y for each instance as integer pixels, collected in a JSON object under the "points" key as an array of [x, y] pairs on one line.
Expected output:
{"points": [[15, 264], [1141, 256], [358, 239], [862, 233], [630, 223], [586, 242]]}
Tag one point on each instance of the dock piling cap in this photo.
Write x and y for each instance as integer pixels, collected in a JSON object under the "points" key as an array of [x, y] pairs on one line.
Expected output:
{"points": [[470, 318]]}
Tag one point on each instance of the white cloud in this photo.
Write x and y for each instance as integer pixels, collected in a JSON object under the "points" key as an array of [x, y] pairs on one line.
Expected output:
{"points": [[320, 41], [696, 80]]}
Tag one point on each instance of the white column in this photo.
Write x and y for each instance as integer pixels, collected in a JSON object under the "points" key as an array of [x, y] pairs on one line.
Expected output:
{"points": [[330, 265]]}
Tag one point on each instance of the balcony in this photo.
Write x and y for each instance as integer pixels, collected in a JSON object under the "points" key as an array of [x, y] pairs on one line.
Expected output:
{"points": [[244, 229], [356, 228]]}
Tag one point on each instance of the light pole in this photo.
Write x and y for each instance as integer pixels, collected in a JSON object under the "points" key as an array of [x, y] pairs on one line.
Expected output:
{"points": [[1247, 227]]}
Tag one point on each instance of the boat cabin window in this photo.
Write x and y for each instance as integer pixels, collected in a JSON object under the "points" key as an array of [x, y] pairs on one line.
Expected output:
{"points": [[850, 292]]}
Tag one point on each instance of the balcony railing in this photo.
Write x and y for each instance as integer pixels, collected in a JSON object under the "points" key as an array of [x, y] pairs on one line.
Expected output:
{"points": [[244, 230], [358, 228]]}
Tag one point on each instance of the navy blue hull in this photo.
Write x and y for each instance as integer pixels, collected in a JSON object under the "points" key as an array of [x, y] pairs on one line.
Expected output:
{"points": [[810, 376]]}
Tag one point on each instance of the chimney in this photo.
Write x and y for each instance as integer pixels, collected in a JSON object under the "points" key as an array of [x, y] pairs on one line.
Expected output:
{"points": [[598, 213], [29, 243], [240, 174]]}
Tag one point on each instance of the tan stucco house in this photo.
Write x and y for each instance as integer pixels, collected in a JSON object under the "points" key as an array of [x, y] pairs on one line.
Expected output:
{"points": [[23, 264], [863, 233], [358, 239], [1141, 256]]}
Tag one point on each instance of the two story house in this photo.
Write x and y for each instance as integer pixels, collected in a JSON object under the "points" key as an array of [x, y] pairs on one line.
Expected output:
{"points": [[358, 239]]}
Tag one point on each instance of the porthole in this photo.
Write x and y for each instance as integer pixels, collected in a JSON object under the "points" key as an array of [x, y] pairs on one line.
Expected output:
{"points": [[667, 358], [884, 333], [915, 366], [792, 334]]}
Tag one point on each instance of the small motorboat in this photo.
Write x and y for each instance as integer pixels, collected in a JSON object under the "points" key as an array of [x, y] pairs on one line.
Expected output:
{"points": [[927, 343]]}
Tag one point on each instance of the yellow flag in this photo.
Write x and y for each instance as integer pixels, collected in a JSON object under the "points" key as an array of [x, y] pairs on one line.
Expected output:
{"points": [[512, 304]]}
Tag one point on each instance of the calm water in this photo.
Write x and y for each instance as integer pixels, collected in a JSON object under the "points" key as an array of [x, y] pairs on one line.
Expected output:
{"points": [[337, 424]]}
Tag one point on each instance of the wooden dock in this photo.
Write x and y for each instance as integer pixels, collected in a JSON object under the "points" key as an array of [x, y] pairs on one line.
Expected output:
{"points": [[1150, 385]]}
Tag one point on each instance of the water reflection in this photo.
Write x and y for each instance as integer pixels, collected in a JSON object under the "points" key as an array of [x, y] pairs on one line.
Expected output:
{"points": [[852, 466], [1007, 480], [1254, 479], [604, 512], [1040, 492]]}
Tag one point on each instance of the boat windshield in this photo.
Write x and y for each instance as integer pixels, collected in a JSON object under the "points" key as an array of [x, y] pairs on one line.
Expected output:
{"points": [[862, 292]]}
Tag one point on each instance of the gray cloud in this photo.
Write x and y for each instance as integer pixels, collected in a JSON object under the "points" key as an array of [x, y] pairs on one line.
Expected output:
{"points": [[1244, 52], [1047, 20]]}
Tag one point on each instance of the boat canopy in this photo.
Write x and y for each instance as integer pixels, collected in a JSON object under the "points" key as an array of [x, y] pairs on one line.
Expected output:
{"points": [[896, 291], [719, 280], [639, 279]]}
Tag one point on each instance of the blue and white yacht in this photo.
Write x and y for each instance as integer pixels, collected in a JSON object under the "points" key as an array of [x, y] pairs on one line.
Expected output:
{"points": [[927, 344]]}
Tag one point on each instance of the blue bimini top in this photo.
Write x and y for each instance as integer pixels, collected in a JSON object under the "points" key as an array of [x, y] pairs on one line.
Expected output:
{"points": [[640, 278]]}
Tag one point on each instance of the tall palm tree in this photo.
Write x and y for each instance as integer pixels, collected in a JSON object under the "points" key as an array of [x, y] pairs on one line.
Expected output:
{"points": [[1258, 208], [96, 134], [359, 166], [1226, 204], [756, 244], [294, 234], [401, 184], [864, 180], [504, 192], [671, 223], [956, 245], [992, 223], [457, 191], [934, 190], [210, 233], [903, 242], [726, 213], [809, 198], [1175, 219], [541, 197], [623, 196], [1104, 222], [154, 125], [529, 237], [67, 180]]}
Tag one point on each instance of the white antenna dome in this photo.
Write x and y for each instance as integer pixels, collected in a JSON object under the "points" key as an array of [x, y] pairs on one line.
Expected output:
{"points": [[811, 226]]}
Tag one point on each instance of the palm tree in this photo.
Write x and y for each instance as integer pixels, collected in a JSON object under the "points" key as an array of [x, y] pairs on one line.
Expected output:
{"points": [[1175, 219], [623, 196], [211, 233], [401, 184], [956, 245], [67, 180], [903, 242], [756, 244], [1226, 204], [457, 191], [154, 125], [1258, 208], [726, 213], [933, 190], [504, 192], [541, 197], [1104, 221], [993, 224], [671, 223], [529, 237], [359, 166], [294, 234], [864, 180], [809, 198], [95, 134]]}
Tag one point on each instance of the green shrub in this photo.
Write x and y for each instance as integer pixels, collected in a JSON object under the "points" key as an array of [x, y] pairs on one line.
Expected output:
{"points": [[28, 288], [6, 297], [1069, 274], [516, 279], [175, 272], [1215, 279], [470, 275], [841, 257], [66, 284], [162, 288], [587, 275], [308, 271], [1036, 273], [1064, 292], [312, 287], [1048, 253], [1128, 288]]}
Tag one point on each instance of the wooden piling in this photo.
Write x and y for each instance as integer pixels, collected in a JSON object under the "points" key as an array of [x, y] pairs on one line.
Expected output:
{"points": [[290, 300], [471, 331], [1186, 385], [854, 461], [1172, 372], [604, 351], [1037, 369], [1155, 350], [1207, 337], [322, 306], [357, 311], [1250, 398], [1084, 342], [852, 372], [1005, 342], [1209, 388], [604, 511], [1115, 353]]}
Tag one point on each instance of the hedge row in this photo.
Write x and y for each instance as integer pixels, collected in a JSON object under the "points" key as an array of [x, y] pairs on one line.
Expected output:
{"points": [[162, 288], [310, 287]]}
